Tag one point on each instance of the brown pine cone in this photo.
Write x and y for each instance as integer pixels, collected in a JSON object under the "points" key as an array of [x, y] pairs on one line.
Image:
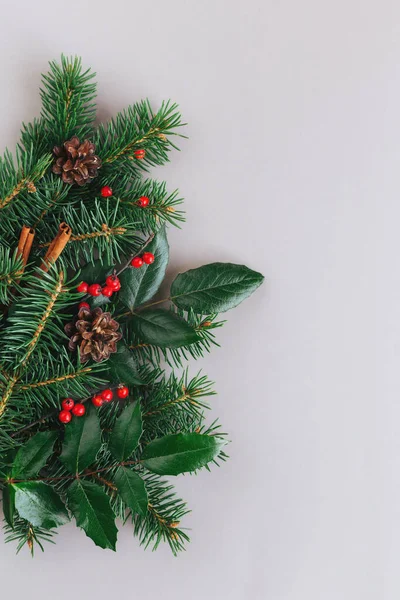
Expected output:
{"points": [[76, 162], [95, 333]]}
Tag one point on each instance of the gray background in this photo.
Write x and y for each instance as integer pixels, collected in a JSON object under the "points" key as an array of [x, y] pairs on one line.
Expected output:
{"points": [[292, 168]]}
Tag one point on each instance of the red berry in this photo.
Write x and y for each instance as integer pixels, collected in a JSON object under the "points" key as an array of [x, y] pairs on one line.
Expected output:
{"points": [[107, 291], [94, 289], [79, 410], [139, 154], [137, 262], [68, 404], [122, 391], [83, 287], [97, 401], [107, 395], [65, 416], [148, 258], [113, 282], [84, 305], [106, 191], [143, 201]]}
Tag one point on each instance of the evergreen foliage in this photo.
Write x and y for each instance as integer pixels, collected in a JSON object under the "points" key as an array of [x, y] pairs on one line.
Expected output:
{"points": [[112, 462]]}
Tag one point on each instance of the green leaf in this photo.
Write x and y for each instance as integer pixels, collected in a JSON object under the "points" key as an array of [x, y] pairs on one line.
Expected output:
{"points": [[163, 328], [132, 490], [82, 442], [139, 285], [123, 367], [214, 288], [91, 508], [9, 504], [126, 433], [180, 453], [96, 272], [33, 455], [39, 504]]}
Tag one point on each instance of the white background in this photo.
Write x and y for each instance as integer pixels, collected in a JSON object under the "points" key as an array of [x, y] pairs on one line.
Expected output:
{"points": [[292, 167]]}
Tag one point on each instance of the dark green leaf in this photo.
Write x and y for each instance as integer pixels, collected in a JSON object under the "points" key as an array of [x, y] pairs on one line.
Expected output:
{"points": [[123, 367], [9, 504], [82, 442], [180, 453], [214, 288], [33, 455], [91, 508], [96, 273], [140, 285], [39, 504], [132, 490], [163, 328], [126, 433]]}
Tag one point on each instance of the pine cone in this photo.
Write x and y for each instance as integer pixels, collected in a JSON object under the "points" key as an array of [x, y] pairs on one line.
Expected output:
{"points": [[76, 162], [95, 333]]}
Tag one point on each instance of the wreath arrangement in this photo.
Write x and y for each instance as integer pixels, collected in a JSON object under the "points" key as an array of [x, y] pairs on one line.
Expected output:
{"points": [[92, 414]]}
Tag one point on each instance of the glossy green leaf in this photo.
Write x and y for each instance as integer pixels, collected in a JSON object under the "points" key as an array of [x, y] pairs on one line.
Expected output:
{"points": [[126, 433], [82, 442], [163, 328], [33, 455], [39, 504], [132, 490], [123, 367], [214, 288], [139, 285], [91, 508], [9, 504], [96, 272], [180, 453]]}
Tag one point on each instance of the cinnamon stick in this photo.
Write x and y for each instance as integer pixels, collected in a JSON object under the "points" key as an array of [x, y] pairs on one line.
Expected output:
{"points": [[25, 243], [56, 246]]}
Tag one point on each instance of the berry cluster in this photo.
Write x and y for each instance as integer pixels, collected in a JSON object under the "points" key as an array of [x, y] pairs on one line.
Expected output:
{"points": [[69, 408], [107, 395], [112, 285], [146, 258]]}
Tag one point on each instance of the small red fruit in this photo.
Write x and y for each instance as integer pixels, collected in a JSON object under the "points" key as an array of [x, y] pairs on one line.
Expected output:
{"points": [[65, 416], [106, 191], [137, 262], [139, 154], [107, 291], [83, 287], [84, 305], [79, 410], [94, 289], [67, 404], [148, 258], [122, 391], [107, 395], [97, 401], [143, 201], [113, 282]]}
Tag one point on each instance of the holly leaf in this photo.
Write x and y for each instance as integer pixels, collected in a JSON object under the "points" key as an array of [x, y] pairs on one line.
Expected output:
{"points": [[139, 285], [180, 453], [33, 455], [214, 288], [96, 272], [9, 504], [132, 490], [123, 367], [91, 508], [163, 328], [126, 433], [82, 442], [39, 504]]}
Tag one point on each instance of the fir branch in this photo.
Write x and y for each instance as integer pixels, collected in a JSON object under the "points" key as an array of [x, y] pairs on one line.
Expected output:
{"points": [[67, 97], [25, 534], [138, 127], [11, 270]]}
